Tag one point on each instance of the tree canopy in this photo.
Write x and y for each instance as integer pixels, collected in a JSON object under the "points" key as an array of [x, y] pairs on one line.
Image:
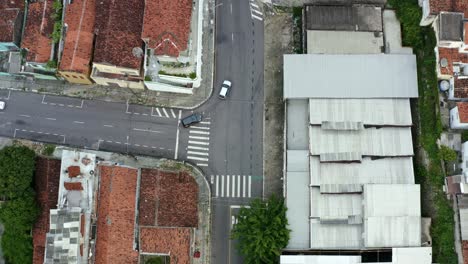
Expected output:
{"points": [[19, 209], [262, 230]]}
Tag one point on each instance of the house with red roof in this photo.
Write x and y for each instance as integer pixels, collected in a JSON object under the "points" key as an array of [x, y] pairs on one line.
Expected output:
{"points": [[78, 40], [459, 116]]}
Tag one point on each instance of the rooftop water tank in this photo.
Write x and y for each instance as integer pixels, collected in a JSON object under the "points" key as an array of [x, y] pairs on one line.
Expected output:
{"points": [[444, 85]]}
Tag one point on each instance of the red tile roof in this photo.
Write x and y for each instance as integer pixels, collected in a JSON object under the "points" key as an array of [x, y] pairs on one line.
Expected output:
{"points": [[465, 251], [168, 199], [167, 25], [78, 45], [118, 28], [39, 27], [463, 111], [452, 55], [460, 88], [437, 6], [12, 4], [10, 20], [73, 186], [73, 171], [172, 241], [46, 183], [116, 216]]}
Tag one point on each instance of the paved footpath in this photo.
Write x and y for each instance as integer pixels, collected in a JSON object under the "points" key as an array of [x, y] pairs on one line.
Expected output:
{"points": [[122, 95]]}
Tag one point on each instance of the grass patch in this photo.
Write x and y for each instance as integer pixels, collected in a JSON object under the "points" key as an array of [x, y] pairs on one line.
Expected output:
{"points": [[48, 150], [423, 41]]}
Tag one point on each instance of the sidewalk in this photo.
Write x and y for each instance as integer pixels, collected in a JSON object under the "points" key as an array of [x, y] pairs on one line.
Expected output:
{"points": [[122, 95], [278, 40]]}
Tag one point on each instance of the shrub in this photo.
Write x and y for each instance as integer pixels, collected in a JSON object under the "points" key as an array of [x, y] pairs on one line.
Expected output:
{"points": [[447, 154], [48, 149], [193, 75]]}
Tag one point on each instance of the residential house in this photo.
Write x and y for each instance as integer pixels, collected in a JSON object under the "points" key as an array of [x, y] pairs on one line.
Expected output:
{"points": [[11, 21], [77, 54], [432, 8], [459, 116], [166, 28], [37, 33], [118, 53]]}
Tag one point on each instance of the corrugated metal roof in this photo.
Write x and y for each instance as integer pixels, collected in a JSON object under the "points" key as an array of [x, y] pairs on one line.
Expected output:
{"points": [[334, 205], [343, 42], [296, 123], [416, 255], [380, 171], [342, 156], [297, 160], [388, 111], [342, 125], [320, 259], [403, 231], [297, 191], [341, 236], [350, 76], [405, 200], [387, 141], [464, 223]]}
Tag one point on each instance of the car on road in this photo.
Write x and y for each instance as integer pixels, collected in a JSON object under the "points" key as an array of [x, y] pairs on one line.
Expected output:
{"points": [[192, 119], [2, 105], [225, 88]]}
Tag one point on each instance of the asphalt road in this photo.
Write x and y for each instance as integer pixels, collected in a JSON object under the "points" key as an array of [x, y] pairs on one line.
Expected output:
{"points": [[226, 145], [236, 161]]}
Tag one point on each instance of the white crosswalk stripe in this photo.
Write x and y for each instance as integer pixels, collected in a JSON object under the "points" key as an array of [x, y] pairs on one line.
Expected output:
{"points": [[236, 186], [255, 11], [163, 112], [198, 144]]}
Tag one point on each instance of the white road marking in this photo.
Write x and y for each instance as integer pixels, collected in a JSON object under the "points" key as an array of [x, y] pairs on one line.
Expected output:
{"points": [[199, 132], [200, 127], [78, 122], [233, 186], [159, 112], [108, 141], [254, 5], [173, 114], [256, 11], [165, 112], [198, 142], [108, 125], [118, 142], [257, 17], [243, 186], [137, 145], [144, 114], [222, 185], [202, 164], [177, 137], [217, 184], [145, 146], [227, 189], [61, 105], [197, 158], [249, 186], [146, 130], [25, 115], [238, 185], [205, 122], [203, 138], [198, 148], [197, 153], [51, 118]]}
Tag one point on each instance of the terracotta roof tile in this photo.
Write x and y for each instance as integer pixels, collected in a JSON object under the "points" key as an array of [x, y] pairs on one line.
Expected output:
{"points": [[12, 4], [116, 215], [167, 25], [73, 186], [168, 199], [73, 171], [39, 27], [78, 45], [46, 183], [172, 241], [465, 251], [118, 27], [437, 6], [10, 23], [452, 55], [463, 111], [460, 88]]}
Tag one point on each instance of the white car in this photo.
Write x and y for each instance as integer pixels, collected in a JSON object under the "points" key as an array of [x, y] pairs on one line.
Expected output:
{"points": [[225, 87], [2, 105]]}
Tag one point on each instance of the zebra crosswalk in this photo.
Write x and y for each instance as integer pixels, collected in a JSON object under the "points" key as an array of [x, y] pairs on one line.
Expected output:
{"points": [[255, 11], [164, 112], [199, 143], [235, 186]]}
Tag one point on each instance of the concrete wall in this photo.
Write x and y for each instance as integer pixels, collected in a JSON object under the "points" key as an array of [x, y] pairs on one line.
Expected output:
{"points": [[455, 120], [75, 77]]}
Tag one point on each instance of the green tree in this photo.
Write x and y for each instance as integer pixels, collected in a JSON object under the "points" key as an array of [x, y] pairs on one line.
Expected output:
{"points": [[17, 165], [262, 230], [447, 154]]}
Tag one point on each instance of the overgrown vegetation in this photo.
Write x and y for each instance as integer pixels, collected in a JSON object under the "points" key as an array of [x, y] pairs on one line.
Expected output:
{"points": [[158, 260], [447, 154], [423, 41], [262, 230], [192, 75], [48, 150], [57, 16], [51, 64], [19, 209], [297, 30]]}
